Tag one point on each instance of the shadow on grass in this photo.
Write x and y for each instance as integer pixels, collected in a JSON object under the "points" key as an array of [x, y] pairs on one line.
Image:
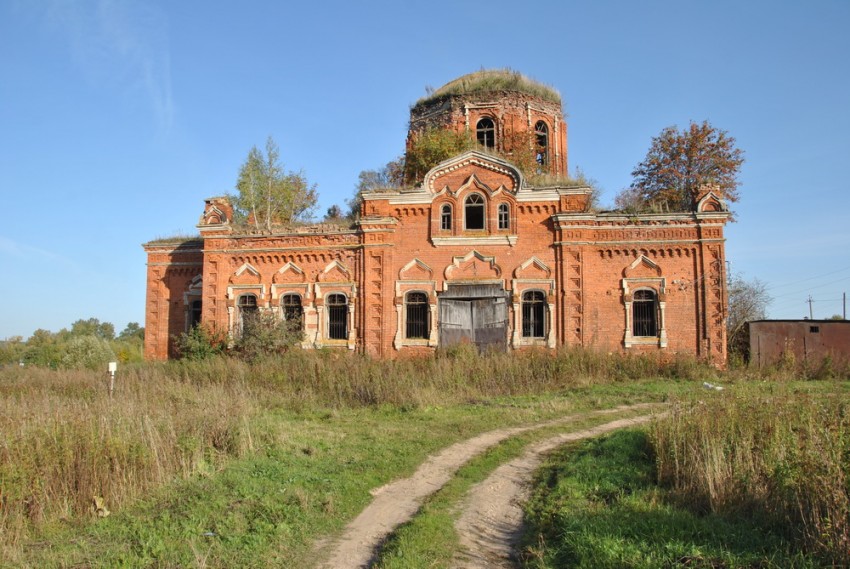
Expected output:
{"points": [[595, 504]]}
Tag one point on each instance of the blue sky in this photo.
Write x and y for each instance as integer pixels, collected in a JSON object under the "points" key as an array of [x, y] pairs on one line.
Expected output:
{"points": [[118, 118]]}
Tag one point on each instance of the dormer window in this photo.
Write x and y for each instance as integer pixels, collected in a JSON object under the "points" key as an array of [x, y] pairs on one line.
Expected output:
{"points": [[485, 132], [474, 212]]}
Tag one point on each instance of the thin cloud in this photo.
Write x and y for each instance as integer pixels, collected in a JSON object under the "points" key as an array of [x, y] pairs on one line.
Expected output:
{"points": [[125, 43], [10, 247]]}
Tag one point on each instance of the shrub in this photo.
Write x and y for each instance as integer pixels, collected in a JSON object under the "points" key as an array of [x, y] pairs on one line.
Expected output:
{"points": [[89, 352], [199, 344], [264, 334]]}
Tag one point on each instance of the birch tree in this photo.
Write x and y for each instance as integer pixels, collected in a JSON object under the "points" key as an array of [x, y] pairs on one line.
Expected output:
{"points": [[268, 194]]}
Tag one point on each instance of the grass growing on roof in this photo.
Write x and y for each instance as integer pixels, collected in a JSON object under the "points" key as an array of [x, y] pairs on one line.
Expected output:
{"points": [[490, 80]]}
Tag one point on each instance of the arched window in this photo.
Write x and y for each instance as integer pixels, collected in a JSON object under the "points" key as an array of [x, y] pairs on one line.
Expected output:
{"points": [[541, 132], [195, 314], [644, 313], [534, 314], [446, 217], [247, 307], [293, 311], [337, 305], [504, 216], [485, 132], [417, 315], [474, 212]]}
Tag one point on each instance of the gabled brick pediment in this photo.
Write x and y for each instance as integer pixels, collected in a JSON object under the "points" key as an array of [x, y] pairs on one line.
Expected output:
{"points": [[642, 267], [532, 268], [289, 273], [415, 270], [476, 168], [246, 274], [335, 272], [473, 266]]}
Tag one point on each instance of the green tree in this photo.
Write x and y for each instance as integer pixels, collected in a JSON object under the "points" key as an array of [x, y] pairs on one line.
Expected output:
{"points": [[678, 164], [268, 194], [390, 176], [11, 350], [93, 327], [429, 148], [43, 349], [748, 300], [88, 351], [132, 331]]}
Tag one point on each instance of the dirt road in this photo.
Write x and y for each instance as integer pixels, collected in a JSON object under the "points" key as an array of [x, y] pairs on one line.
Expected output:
{"points": [[484, 528]]}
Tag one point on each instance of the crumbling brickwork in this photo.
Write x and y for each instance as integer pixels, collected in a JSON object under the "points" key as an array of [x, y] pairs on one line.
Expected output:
{"points": [[473, 252]]}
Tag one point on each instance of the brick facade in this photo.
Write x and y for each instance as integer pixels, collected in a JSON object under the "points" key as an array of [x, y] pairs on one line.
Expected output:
{"points": [[470, 253]]}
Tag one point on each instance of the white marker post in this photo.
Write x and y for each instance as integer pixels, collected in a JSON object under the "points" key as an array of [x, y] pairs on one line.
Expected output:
{"points": [[111, 368]]}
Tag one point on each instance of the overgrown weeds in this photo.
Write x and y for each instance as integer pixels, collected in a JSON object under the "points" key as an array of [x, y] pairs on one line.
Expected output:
{"points": [[780, 456], [66, 441]]}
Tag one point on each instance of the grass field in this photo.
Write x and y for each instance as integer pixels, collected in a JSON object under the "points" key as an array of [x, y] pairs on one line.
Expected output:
{"points": [[222, 464]]}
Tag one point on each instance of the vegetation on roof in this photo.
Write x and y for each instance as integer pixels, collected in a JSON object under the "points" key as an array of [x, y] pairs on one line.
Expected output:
{"points": [[178, 238], [490, 80]]}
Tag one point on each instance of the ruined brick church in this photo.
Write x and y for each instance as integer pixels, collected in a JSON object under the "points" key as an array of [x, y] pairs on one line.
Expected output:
{"points": [[471, 251]]}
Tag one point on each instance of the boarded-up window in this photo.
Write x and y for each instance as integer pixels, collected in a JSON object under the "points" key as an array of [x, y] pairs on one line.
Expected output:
{"points": [[337, 305], [645, 314], [533, 314], [417, 316]]}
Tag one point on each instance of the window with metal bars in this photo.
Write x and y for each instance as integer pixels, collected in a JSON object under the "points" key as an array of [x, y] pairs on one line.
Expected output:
{"points": [[504, 216], [644, 314], [293, 311], [417, 316], [446, 217], [485, 132], [533, 314], [541, 132], [474, 212], [337, 305], [247, 305]]}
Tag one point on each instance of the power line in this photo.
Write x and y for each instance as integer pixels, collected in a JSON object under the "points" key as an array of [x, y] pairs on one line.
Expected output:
{"points": [[812, 287], [806, 279]]}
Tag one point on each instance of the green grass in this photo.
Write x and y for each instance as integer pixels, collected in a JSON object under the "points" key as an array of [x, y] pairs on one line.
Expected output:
{"points": [[309, 472], [490, 80], [429, 540], [596, 505], [224, 463]]}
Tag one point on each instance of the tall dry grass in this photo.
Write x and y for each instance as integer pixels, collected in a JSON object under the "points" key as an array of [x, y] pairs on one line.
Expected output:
{"points": [[65, 441], [781, 457]]}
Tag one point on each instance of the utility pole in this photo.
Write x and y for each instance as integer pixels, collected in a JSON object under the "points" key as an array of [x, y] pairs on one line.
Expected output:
{"points": [[810, 301], [844, 296]]}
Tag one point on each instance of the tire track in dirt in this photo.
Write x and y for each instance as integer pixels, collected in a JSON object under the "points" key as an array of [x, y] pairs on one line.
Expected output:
{"points": [[490, 524], [397, 502]]}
